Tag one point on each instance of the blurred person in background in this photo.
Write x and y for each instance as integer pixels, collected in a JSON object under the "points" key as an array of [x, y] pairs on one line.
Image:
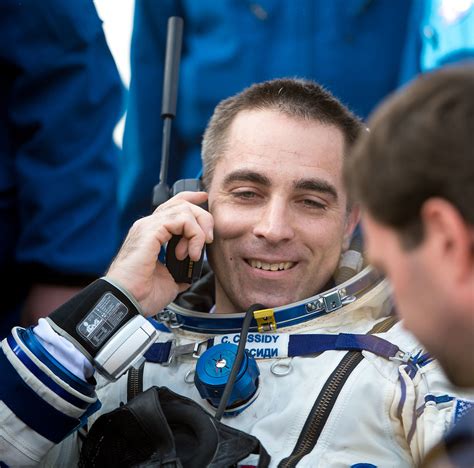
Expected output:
{"points": [[60, 98], [419, 155]]}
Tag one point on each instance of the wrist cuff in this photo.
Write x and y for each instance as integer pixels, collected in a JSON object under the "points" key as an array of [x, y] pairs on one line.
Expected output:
{"points": [[106, 326]]}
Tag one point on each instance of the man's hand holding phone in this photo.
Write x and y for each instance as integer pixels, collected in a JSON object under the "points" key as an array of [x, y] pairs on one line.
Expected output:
{"points": [[136, 268]]}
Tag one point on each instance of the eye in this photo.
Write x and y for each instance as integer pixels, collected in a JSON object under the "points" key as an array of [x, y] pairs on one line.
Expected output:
{"points": [[244, 194], [313, 204]]}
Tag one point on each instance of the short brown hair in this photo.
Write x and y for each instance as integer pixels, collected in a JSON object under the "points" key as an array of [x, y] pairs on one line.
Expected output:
{"points": [[294, 97], [420, 145]]}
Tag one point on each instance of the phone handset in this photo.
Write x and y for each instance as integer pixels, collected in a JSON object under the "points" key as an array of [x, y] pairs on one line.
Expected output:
{"points": [[187, 270]]}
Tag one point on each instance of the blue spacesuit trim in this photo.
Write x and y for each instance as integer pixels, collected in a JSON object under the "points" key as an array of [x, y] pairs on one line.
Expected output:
{"points": [[223, 323], [33, 344], [30, 408], [403, 396], [411, 432], [43, 378]]}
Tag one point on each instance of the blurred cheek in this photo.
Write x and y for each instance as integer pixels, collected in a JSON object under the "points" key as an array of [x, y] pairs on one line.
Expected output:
{"points": [[409, 309]]}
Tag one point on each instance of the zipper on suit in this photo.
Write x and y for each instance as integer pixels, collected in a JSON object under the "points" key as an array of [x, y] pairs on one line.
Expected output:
{"points": [[326, 399], [135, 381]]}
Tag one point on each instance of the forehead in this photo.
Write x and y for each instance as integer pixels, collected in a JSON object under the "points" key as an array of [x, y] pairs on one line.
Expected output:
{"points": [[283, 147]]}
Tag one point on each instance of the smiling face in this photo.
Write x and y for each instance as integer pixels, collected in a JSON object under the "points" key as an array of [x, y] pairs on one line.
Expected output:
{"points": [[279, 208]]}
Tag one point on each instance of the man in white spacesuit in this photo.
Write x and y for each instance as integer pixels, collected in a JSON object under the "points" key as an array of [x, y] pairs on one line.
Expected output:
{"points": [[320, 388]]}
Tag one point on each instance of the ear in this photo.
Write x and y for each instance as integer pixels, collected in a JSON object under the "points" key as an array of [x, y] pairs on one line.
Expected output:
{"points": [[352, 219], [450, 239]]}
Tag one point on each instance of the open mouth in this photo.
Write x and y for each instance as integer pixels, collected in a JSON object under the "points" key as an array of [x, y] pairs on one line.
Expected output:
{"points": [[280, 266]]}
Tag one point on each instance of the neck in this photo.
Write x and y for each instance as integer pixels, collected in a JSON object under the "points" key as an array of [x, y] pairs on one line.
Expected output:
{"points": [[223, 303]]}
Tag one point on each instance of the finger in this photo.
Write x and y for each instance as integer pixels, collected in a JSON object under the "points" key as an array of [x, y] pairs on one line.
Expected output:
{"points": [[189, 220], [195, 239], [206, 222], [203, 217], [195, 198], [192, 247], [195, 247], [181, 251], [192, 197], [175, 212]]}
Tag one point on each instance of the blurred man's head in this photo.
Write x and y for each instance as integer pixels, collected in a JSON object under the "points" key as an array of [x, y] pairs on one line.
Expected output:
{"points": [[273, 158], [413, 174]]}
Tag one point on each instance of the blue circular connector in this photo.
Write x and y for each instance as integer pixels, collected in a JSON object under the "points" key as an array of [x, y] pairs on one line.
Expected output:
{"points": [[213, 370]]}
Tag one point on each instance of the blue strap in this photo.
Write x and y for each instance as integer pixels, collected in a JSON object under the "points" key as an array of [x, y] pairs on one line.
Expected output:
{"points": [[302, 345], [158, 352], [438, 399], [158, 325]]}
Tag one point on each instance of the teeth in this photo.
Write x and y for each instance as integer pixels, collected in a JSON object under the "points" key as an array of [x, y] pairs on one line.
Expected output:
{"points": [[270, 266]]}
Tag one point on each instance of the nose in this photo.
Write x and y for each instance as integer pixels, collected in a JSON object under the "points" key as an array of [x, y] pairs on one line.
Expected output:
{"points": [[274, 222]]}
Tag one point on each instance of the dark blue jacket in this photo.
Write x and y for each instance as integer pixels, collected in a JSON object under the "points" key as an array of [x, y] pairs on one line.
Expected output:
{"points": [[60, 98]]}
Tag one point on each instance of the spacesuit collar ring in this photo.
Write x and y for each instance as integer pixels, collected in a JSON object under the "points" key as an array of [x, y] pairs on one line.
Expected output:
{"points": [[175, 316]]}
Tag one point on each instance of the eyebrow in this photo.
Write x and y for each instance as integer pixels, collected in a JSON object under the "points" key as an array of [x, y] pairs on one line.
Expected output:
{"points": [[244, 175], [316, 185]]}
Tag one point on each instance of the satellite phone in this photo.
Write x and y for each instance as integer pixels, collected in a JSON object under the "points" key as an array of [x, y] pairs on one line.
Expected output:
{"points": [[187, 270]]}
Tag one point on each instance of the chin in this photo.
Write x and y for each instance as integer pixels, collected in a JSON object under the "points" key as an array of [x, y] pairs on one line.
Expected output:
{"points": [[269, 302], [457, 374]]}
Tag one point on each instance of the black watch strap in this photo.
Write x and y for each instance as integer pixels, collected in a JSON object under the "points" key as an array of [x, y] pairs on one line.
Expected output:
{"points": [[92, 317]]}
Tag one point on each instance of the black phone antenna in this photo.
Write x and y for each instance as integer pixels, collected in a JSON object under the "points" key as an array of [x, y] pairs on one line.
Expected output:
{"points": [[174, 39]]}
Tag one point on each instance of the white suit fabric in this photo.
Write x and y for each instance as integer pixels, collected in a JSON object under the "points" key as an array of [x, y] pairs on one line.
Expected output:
{"points": [[381, 417]]}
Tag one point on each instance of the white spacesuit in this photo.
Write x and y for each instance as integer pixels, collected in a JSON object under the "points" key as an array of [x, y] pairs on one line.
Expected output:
{"points": [[392, 407]]}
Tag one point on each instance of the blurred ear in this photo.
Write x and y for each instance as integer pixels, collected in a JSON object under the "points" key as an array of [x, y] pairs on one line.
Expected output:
{"points": [[352, 219], [449, 239]]}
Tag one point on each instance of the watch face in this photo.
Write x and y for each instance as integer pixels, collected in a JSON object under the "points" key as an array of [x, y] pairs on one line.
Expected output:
{"points": [[102, 320]]}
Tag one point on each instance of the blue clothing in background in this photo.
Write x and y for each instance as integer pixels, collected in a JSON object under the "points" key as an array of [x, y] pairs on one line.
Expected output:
{"points": [[60, 98], [448, 31], [440, 32], [352, 47]]}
